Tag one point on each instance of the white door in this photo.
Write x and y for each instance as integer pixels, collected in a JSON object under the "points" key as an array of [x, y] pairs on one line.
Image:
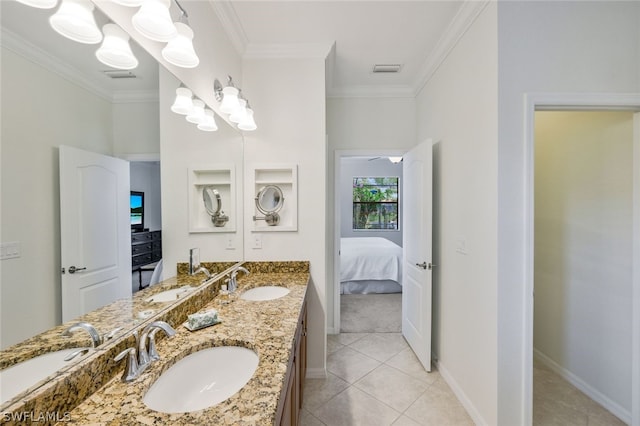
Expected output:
{"points": [[416, 241], [95, 231]]}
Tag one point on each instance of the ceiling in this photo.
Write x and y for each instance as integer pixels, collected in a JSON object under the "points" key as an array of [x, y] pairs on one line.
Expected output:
{"points": [[409, 33], [415, 34]]}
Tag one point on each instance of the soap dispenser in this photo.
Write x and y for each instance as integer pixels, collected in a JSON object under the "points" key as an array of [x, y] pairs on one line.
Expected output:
{"points": [[223, 295]]}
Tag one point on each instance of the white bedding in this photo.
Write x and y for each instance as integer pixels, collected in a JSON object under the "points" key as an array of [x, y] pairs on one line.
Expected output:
{"points": [[370, 259]]}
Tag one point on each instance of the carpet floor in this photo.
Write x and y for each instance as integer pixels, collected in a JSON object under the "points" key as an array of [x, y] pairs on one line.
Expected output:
{"points": [[371, 313]]}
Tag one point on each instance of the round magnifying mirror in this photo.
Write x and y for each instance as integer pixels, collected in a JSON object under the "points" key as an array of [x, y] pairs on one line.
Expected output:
{"points": [[212, 200], [269, 199]]}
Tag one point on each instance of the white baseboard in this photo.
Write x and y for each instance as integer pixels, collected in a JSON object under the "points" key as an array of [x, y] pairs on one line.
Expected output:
{"points": [[316, 373], [589, 390], [462, 397]]}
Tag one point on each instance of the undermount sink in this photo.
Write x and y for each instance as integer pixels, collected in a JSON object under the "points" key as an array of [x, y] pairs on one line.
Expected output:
{"points": [[202, 379], [267, 292], [170, 295], [22, 376]]}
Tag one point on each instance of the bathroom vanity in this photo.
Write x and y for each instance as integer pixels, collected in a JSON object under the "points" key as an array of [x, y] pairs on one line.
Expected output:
{"points": [[92, 390]]}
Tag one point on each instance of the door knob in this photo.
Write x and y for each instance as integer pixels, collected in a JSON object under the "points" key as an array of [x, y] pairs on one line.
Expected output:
{"points": [[73, 269], [422, 265]]}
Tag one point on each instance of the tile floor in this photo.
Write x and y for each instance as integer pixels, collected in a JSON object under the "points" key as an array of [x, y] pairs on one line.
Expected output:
{"points": [[374, 379], [558, 403]]}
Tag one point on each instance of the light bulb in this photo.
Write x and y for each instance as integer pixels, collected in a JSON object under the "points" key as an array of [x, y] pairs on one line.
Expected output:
{"points": [[153, 20], [197, 113], [209, 122], [179, 51], [74, 20], [184, 101], [230, 100], [115, 50]]}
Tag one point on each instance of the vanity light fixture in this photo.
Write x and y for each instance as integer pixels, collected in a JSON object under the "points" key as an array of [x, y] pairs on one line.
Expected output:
{"points": [[74, 19], [395, 160], [196, 115], [248, 123], [115, 50], [179, 50], [154, 21], [209, 122], [228, 97], [40, 4], [183, 103], [129, 3]]}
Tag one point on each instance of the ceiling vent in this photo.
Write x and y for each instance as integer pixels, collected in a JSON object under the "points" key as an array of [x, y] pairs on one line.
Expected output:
{"points": [[386, 68], [119, 74]]}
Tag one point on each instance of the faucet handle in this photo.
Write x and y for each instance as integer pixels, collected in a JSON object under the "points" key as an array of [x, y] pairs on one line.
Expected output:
{"points": [[132, 369], [153, 352]]}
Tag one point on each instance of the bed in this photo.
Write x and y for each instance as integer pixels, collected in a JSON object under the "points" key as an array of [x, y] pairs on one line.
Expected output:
{"points": [[370, 265]]}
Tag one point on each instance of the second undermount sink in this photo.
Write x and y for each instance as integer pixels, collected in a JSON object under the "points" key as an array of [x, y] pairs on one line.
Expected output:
{"points": [[202, 379], [22, 376], [267, 292], [170, 295]]}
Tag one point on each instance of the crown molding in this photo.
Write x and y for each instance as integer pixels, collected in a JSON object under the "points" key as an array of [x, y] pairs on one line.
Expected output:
{"points": [[395, 91], [231, 24], [301, 50], [462, 21], [35, 54]]}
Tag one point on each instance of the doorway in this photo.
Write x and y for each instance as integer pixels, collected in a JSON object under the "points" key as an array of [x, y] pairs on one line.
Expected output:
{"points": [[583, 266], [350, 164], [584, 102]]}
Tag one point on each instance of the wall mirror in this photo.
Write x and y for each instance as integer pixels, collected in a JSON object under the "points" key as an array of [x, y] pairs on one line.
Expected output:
{"points": [[54, 92]]}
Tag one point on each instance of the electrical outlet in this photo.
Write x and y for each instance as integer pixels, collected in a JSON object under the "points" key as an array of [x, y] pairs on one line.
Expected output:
{"points": [[230, 244], [257, 241], [10, 250]]}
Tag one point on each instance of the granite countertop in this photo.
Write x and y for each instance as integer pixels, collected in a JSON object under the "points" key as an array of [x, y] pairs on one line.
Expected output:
{"points": [[267, 327]]}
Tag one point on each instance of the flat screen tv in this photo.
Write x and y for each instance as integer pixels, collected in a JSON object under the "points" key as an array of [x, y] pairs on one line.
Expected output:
{"points": [[137, 210]]}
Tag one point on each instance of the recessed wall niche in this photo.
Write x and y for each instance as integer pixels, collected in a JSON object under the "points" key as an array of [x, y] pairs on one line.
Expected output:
{"points": [[222, 178], [282, 176]]}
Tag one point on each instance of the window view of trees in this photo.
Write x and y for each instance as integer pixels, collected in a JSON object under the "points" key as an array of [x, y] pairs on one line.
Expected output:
{"points": [[375, 203]]}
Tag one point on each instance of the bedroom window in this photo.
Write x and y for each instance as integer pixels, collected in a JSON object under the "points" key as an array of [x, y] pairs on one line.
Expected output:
{"points": [[375, 203]]}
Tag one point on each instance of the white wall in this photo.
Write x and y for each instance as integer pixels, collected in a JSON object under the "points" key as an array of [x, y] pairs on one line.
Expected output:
{"points": [[583, 247], [145, 177], [577, 47], [458, 109], [183, 146], [374, 125], [291, 129], [136, 128], [362, 167], [40, 111]]}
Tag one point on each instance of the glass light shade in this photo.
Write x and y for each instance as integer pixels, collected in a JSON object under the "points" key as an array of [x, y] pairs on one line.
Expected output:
{"points": [[74, 19], [40, 4], [184, 101], [115, 50], [209, 123], [197, 113], [179, 51], [395, 160], [129, 3], [154, 21], [230, 100], [248, 123], [238, 115]]}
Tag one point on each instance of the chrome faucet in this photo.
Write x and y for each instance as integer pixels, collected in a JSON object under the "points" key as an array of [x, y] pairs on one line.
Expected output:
{"points": [[204, 270], [233, 283], [96, 339], [147, 356], [138, 357]]}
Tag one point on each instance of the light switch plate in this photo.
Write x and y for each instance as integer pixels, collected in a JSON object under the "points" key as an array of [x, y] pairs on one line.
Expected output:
{"points": [[257, 241], [10, 250]]}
